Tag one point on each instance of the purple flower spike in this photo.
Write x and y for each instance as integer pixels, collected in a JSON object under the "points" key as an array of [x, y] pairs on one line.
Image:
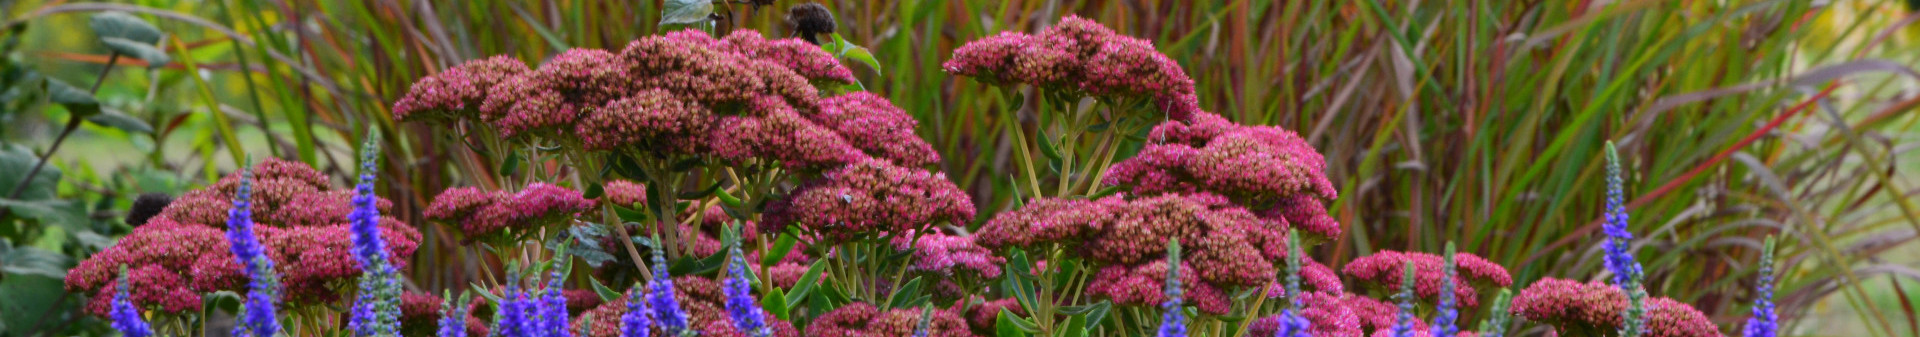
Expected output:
{"points": [[741, 307], [126, 317]]}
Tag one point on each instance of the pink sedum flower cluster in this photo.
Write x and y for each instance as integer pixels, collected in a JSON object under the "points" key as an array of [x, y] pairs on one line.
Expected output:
{"points": [[684, 93], [483, 214], [1594, 307], [1226, 246], [860, 319], [1264, 168], [948, 255], [869, 198], [1145, 285], [1080, 55], [1329, 315], [182, 253], [420, 315], [1385, 269]]}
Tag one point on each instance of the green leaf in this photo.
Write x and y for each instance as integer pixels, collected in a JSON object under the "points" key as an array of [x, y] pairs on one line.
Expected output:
{"points": [[606, 293], [862, 55], [15, 161], [1010, 325], [900, 297], [63, 213], [689, 266], [807, 282], [685, 12], [775, 302], [781, 247], [33, 261], [114, 119], [79, 102], [124, 26], [1076, 327], [155, 58]]}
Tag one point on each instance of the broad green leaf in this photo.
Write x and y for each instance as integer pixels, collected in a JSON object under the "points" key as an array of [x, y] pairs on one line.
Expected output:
{"points": [[31, 260], [155, 58], [775, 302], [685, 12], [63, 213], [15, 161], [1010, 325], [606, 294], [900, 297], [114, 119], [124, 26], [864, 56], [807, 282], [782, 246], [79, 102], [27, 297], [1076, 327]]}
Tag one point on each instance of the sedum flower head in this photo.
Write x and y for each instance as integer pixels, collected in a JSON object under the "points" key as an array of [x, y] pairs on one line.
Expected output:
{"points": [[873, 124], [1375, 315], [456, 93], [482, 214], [1320, 315], [948, 255], [868, 198], [1575, 307], [1229, 246], [859, 319], [1382, 269], [1082, 56]]}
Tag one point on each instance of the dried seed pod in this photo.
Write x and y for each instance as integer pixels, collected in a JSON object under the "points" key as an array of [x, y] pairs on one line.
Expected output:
{"points": [[809, 19]]}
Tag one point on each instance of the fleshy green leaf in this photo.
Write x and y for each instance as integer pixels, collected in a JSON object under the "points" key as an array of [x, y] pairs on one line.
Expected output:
{"points": [[15, 161], [807, 282], [685, 12], [781, 247], [155, 58], [33, 261], [775, 302], [79, 102], [124, 26], [906, 292], [606, 294], [1010, 325], [115, 119]]}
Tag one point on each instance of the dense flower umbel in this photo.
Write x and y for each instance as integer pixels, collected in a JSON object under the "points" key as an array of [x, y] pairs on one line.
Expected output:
{"points": [[948, 255], [981, 316], [457, 92], [309, 244], [1326, 315], [1082, 56], [1144, 285], [1227, 246], [859, 319], [1375, 315], [868, 198], [626, 193], [875, 125], [1765, 322], [1594, 308], [1315, 276], [1263, 168], [1383, 269], [483, 214], [125, 316], [683, 93]]}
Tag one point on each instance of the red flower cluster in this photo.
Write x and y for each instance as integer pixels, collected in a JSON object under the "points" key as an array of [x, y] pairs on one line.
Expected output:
{"points": [[1267, 169], [860, 319], [701, 299], [483, 214], [182, 253], [947, 254], [1376, 315], [1080, 55], [1314, 275], [1385, 268], [868, 198], [982, 316], [1329, 314], [1226, 245], [741, 97], [626, 193], [1144, 285], [1572, 306]]}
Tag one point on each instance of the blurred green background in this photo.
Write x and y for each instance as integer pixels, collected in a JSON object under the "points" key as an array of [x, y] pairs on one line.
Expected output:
{"points": [[1477, 121]]}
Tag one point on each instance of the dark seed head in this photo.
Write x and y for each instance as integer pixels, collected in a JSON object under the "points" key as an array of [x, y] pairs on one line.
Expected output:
{"points": [[810, 20], [146, 206]]}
